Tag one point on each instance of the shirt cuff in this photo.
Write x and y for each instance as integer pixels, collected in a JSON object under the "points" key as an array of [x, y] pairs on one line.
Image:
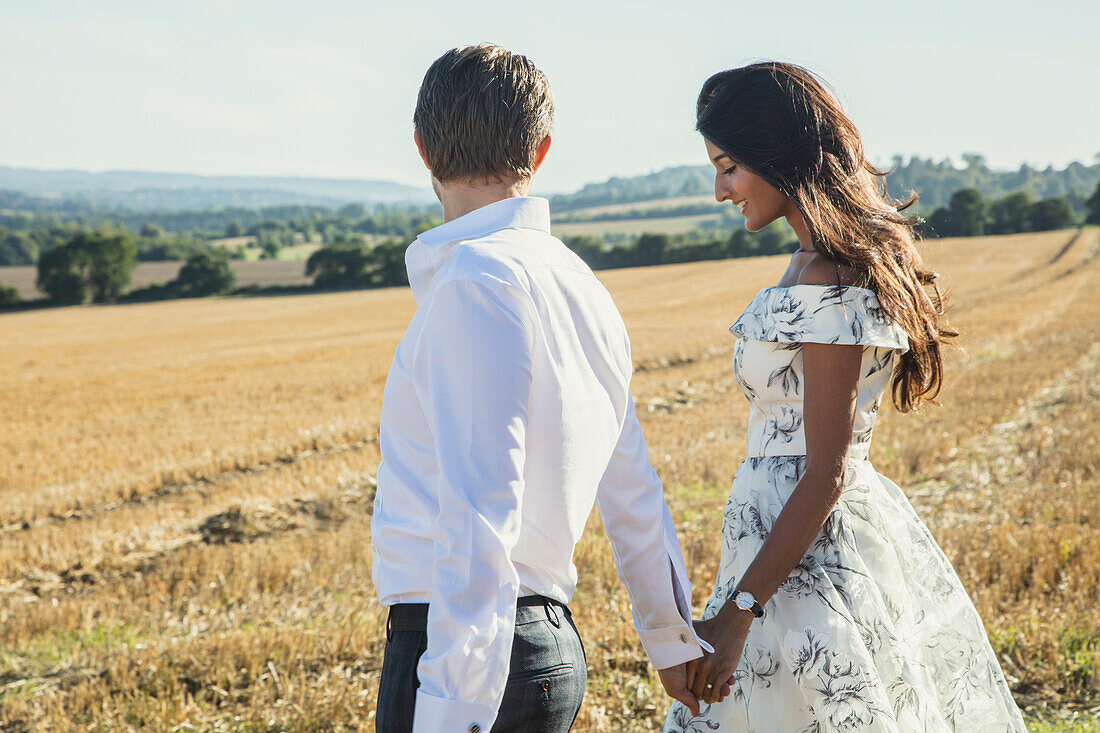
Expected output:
{"points": [[671, 645], [443, 715]]}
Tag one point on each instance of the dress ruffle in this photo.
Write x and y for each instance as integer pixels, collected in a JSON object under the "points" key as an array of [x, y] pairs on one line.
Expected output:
{"points": [[822, 314]]}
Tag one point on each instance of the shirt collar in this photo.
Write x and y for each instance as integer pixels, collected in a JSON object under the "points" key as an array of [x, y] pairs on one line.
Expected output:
{"points": [[519, 212], [424, 256]]}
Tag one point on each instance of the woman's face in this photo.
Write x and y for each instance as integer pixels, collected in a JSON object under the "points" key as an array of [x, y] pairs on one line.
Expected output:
{"points": [[759, 202]]}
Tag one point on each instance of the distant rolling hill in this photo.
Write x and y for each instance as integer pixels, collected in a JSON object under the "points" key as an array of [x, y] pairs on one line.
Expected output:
{"points": [[152, 191]]}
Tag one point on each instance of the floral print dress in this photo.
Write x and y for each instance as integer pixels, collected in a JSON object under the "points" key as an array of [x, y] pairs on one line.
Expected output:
{"points": [[872, 631]]}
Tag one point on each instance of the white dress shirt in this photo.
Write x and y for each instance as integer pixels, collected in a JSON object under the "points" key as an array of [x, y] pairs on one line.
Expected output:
{"points": [[506, 415]]}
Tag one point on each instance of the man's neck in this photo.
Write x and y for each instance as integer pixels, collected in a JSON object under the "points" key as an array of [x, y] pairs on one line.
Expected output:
{"points": [[460, 198]]}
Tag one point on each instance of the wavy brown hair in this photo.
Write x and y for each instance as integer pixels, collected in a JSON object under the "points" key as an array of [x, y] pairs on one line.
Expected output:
{"points": [[778, 121]]}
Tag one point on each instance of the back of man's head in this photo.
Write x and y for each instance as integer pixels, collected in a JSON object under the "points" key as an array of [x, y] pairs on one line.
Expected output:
{"points": [[482, 113]]}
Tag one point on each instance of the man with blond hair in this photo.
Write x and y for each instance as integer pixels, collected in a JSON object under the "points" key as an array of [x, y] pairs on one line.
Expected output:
{"points": [[506, 416]]}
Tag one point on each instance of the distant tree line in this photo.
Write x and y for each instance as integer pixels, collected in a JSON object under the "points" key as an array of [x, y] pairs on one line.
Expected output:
{"points": [[935, 180], [970, 214], [663, 249], [25, 212], [93, 260], [650, 212], [685, 180], [24, 235], [151, 243], [79, 264], [352, 263], [98, 264]]}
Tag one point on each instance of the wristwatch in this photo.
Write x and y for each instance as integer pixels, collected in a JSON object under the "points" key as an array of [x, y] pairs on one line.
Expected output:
{"points": [[747, 602]]}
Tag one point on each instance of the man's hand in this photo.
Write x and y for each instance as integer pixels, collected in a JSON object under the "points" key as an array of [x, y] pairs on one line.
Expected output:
{"points": [[710, 677], [675, 681]]}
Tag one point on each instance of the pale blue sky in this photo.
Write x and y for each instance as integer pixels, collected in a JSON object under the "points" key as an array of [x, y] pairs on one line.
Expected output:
{"points": [[326, 88]]}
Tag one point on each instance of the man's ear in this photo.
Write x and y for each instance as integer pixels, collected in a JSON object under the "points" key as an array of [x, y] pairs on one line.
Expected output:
{"points": [[540, 153], [420, 147]]}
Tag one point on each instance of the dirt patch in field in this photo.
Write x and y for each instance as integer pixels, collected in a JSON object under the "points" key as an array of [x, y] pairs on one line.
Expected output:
{"points": [[250, 523], [238, 524]]}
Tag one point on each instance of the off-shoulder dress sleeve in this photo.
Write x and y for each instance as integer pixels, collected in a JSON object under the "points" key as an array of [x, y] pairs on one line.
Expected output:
{"points": [[823, 314]]}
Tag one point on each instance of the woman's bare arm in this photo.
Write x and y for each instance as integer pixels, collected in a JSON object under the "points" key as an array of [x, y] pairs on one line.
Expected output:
{"points": [[831, 375]]}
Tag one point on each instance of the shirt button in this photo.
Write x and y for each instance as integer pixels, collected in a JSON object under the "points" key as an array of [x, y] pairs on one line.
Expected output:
{"points": [[475, 728], [683, 638]]}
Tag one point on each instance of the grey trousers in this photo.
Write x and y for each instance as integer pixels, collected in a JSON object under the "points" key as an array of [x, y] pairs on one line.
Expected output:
{"points": [[546, 678]]}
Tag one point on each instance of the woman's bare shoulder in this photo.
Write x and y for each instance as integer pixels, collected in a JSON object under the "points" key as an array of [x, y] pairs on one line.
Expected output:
{"points": [[820, 270]]}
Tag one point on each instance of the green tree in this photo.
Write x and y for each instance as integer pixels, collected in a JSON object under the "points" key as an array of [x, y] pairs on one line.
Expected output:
{"points": [[342, 266], [99, 262], [737, 245], [938, 223], [1092, 205], [205, 273], [61, 276], [149, 230], [8, 295], [968, 212], [773, 239], [586, 246], [112, 257], [270, 246], [162, 249], [17, 248], [1051, 213], [234, 229], [352, 211], [1011, 214], [650, 249], [273, 238], [390, 256]]}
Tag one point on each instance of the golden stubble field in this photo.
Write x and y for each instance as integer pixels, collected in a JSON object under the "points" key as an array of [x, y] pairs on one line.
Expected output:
{"points": [[185, 490]]}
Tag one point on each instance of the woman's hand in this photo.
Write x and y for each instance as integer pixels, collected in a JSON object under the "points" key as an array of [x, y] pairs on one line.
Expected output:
{"points": [[711, 676]]}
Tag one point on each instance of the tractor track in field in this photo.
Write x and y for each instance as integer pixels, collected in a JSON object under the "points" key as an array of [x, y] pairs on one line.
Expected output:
{"points": [[996, 453], [1048, 318], [975, 462], [200, 484], [1066, 247], [1038, 268], [1026, 280], [1090, 256]]}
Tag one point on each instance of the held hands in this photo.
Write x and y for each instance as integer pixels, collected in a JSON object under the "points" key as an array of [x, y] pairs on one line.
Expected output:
{"points": [[675, 681], [710, 677]]}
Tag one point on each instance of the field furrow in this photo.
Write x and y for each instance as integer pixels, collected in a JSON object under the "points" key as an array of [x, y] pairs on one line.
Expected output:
{"points": [[145, 491]]}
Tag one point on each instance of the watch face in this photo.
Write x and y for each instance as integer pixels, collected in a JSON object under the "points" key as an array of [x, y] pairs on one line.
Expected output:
{"points": [[743, 600]]}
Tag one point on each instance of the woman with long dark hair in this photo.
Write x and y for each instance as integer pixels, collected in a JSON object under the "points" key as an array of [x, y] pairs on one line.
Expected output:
{"points": [[834, 609]]}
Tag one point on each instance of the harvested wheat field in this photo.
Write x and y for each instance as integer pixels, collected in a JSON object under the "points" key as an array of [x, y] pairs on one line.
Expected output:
{"points": [[186, 491]]}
